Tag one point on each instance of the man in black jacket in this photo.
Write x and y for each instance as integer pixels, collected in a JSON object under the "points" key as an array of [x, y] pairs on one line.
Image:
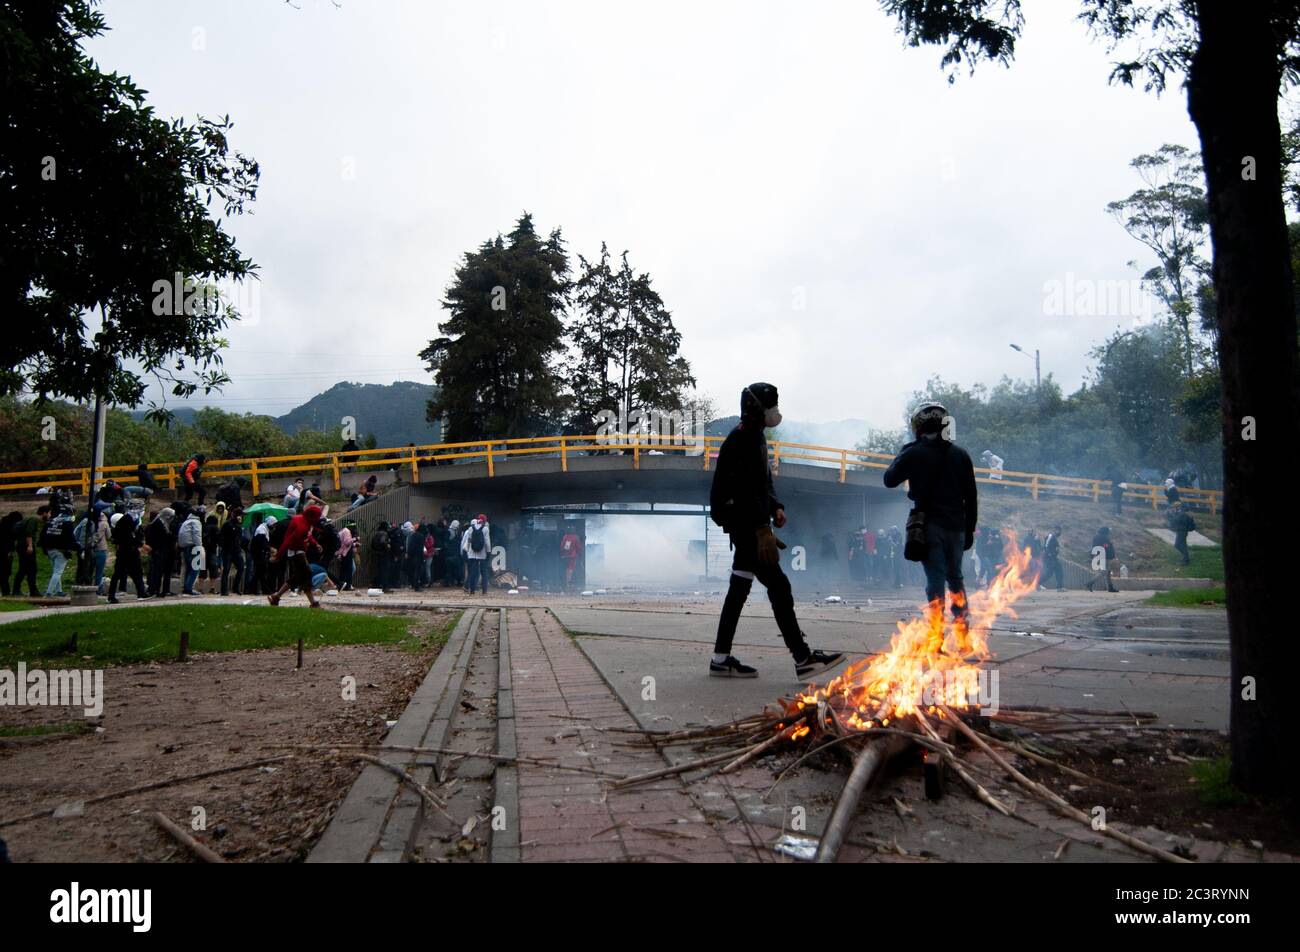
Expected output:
{"points": [[160, 538], [941, 482], [232, 493], [743, 503], [126, 537]]}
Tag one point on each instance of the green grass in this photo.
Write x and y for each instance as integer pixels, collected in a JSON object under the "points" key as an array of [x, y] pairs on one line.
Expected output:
{"points": [[43, 572], [1191, 598], [153, 633], [36, 730], [1213, 787], [440, 637], [1206, 563], [10, 606]]}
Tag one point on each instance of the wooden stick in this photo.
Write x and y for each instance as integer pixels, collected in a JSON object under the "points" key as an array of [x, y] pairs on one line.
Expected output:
{"points": [[1040, 709], [495, 758], [975, 786], [679, 768], [157, 785], [1048, 762], [757, 749], [189, 842], [865, 767], [923, 741], [1057, 802], [425, 793]]}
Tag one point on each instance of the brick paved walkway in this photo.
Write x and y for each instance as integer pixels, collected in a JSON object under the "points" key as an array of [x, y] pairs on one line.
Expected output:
{"points": [[560, 700]]}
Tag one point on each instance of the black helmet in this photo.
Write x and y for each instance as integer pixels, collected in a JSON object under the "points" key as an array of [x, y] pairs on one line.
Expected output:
{"points": [[756, 399], [929, 418]]}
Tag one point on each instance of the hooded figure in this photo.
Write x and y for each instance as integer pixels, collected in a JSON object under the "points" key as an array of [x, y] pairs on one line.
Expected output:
{"points": [[743, 502], [259, 552], [297, 542], [158, 536]]}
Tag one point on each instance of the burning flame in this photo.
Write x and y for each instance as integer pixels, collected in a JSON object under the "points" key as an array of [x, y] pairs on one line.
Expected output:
{"points": [[932, 660]]}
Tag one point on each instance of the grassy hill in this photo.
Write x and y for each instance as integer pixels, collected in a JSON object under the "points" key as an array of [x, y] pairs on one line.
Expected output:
{"points": [[1143, 553]]}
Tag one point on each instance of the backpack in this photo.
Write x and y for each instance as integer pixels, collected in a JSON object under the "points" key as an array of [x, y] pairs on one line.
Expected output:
{"points": [[379, 541], [58, 534], [80, 533], [721, 503], [476, 539]]}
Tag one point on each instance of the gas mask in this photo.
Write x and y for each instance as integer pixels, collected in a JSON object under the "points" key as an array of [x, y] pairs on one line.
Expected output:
{"points": [[772, 417]]}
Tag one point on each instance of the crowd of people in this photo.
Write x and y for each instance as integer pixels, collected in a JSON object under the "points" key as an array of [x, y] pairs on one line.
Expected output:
{"points": [[203, 550], [445, 552], [876, 556]]}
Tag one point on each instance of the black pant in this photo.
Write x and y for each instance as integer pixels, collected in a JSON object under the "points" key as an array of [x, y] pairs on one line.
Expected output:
{"points": [[192, 488], [477, 575], [160, 572], [126, 566], [26, 570], [745, 567], [6, 566], [232, 560], [1180, 543], [1052, 568], [942, 564]]}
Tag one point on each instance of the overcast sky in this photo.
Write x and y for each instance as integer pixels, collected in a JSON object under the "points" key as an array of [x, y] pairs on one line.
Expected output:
{"points": [[816, 204]]}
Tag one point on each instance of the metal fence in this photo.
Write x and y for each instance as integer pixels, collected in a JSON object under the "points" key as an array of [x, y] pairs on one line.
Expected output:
{"points": [[705, 448]]}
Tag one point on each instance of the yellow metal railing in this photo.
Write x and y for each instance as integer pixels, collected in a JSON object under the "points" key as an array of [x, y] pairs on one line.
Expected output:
{"points": [[491, 452]]}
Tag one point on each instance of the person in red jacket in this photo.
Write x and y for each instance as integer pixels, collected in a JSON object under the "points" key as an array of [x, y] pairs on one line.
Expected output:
{"points": [[192, 476], [570, 550], [298, 540]]}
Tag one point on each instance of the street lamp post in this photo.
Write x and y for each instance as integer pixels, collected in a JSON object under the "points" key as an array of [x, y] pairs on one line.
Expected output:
{"points": [[1038, 371]]}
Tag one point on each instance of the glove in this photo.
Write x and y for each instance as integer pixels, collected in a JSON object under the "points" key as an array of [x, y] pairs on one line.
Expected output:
{"points": [[768, 546], [970, 541]]}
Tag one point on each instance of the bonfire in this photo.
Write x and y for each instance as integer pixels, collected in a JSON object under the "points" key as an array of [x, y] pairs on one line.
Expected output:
{"points": [[931, 690]]}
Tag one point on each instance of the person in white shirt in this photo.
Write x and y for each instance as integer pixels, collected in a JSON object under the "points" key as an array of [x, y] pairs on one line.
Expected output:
{"points": [[475, 547], [992, 462]]}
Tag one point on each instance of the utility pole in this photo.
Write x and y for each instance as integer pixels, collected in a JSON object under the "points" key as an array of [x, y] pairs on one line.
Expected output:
{"points": [[85, 567], [1038, 368]]}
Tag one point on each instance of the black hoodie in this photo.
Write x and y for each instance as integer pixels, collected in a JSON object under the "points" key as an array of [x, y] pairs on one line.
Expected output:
{"points": [[742, 497]]}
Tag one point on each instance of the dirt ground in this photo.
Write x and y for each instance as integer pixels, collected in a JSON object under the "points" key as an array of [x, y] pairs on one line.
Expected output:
{"points": [[172, 720], [1164, 788]]}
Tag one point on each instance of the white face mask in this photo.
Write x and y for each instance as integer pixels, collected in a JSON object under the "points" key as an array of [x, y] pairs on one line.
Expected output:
{"points": [[772, 417]]}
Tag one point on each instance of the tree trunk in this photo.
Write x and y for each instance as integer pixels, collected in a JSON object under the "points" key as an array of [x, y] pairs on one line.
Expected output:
{"points": [[1233, 87]]}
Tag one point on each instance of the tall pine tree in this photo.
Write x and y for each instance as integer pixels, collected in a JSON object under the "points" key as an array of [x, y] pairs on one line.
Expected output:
{"points": [[494, 364], [626, 348]]}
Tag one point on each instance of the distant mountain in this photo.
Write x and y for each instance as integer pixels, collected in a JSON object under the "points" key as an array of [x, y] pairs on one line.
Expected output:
{"points": [[393, 412]]}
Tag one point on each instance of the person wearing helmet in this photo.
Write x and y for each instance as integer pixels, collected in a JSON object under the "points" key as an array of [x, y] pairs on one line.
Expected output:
{"points": [[743, 503], [941, 483]]}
